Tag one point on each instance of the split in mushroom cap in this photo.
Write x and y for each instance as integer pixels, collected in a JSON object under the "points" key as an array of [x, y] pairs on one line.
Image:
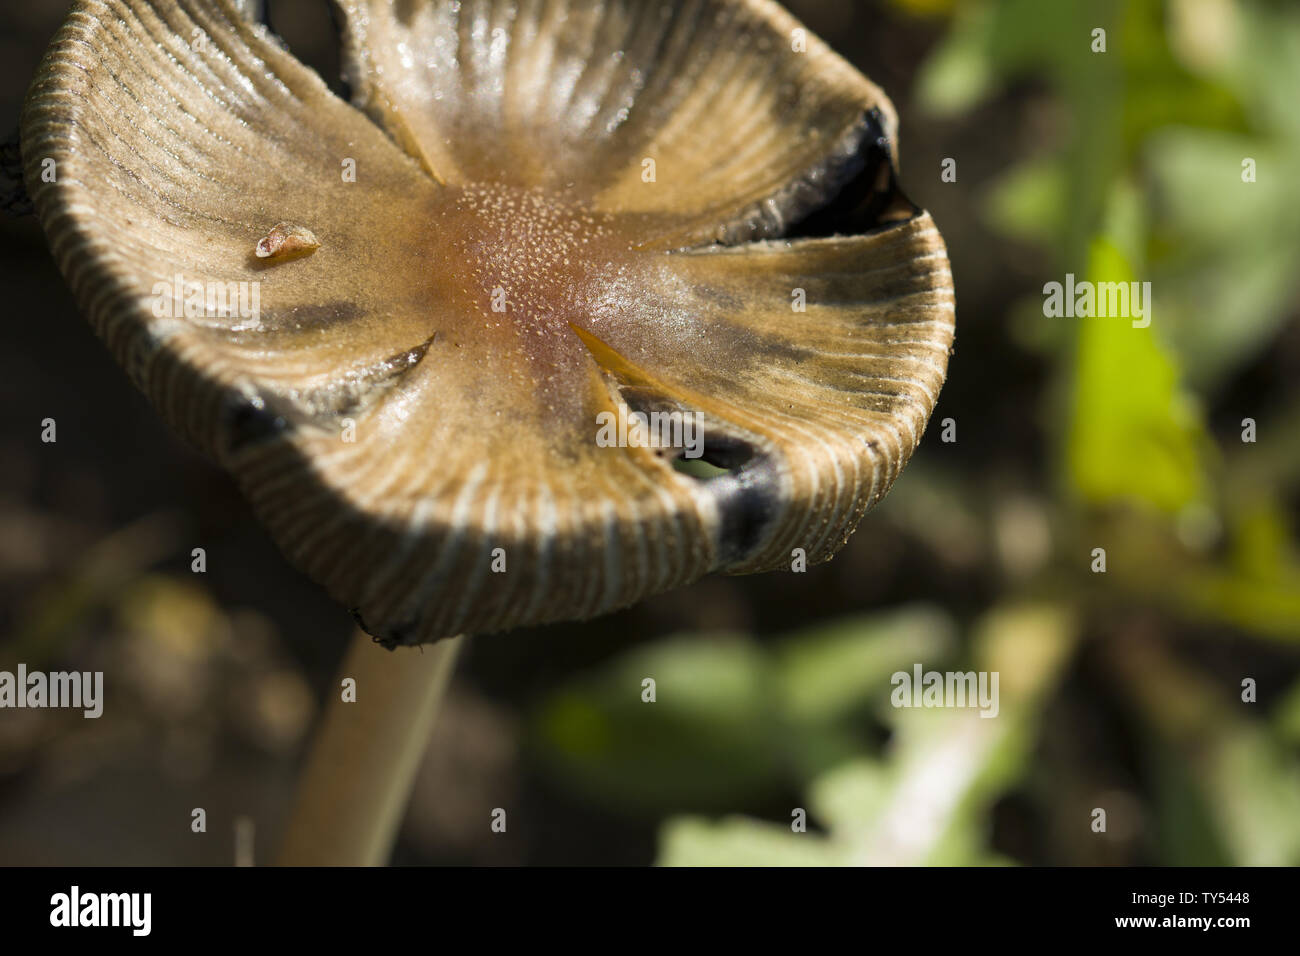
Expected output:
{"points": [[390, 424]]}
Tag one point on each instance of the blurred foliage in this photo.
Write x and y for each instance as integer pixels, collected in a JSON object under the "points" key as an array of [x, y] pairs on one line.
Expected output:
{"points": [[1137, 172], [924, 798], [734, 720]]}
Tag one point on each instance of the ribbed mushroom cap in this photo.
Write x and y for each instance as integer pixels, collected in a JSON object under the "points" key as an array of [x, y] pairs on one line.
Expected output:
{"points": [[546, 212]]}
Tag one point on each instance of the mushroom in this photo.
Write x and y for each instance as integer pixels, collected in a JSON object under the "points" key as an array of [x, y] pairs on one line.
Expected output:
{"points": [[536, 219]]}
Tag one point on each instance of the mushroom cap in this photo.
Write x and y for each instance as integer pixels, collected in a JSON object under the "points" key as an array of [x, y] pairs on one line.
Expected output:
{"points": [[536, 216]]}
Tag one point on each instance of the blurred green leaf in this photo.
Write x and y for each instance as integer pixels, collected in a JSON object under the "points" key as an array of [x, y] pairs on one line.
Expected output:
{"points": [[1183, 824], [1249, 785], [995, 41], [1265, 70], [732, 721], [741, 841], [960, 72], [1135, 435], [926, 801], [1287, 718], [1204, 276], [1159, 90], [710, 739], [1031, 201], [1258, 587], [833, 670]]}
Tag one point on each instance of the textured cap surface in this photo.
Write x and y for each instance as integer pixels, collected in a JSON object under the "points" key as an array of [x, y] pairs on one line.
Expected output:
{"points": [[539, 218]]}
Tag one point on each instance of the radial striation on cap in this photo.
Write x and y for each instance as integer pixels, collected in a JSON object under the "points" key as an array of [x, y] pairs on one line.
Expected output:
{"points": [[536, 219]]}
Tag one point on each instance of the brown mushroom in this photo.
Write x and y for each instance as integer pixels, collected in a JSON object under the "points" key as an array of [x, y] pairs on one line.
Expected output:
{"points": [[547, 215]]}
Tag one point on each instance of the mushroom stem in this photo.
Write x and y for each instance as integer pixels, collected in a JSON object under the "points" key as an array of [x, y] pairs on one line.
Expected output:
{"points": [[358, 777]]}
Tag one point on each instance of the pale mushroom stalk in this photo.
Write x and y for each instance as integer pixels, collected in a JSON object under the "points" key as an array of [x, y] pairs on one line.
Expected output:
{"points": [[358, 777]]}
